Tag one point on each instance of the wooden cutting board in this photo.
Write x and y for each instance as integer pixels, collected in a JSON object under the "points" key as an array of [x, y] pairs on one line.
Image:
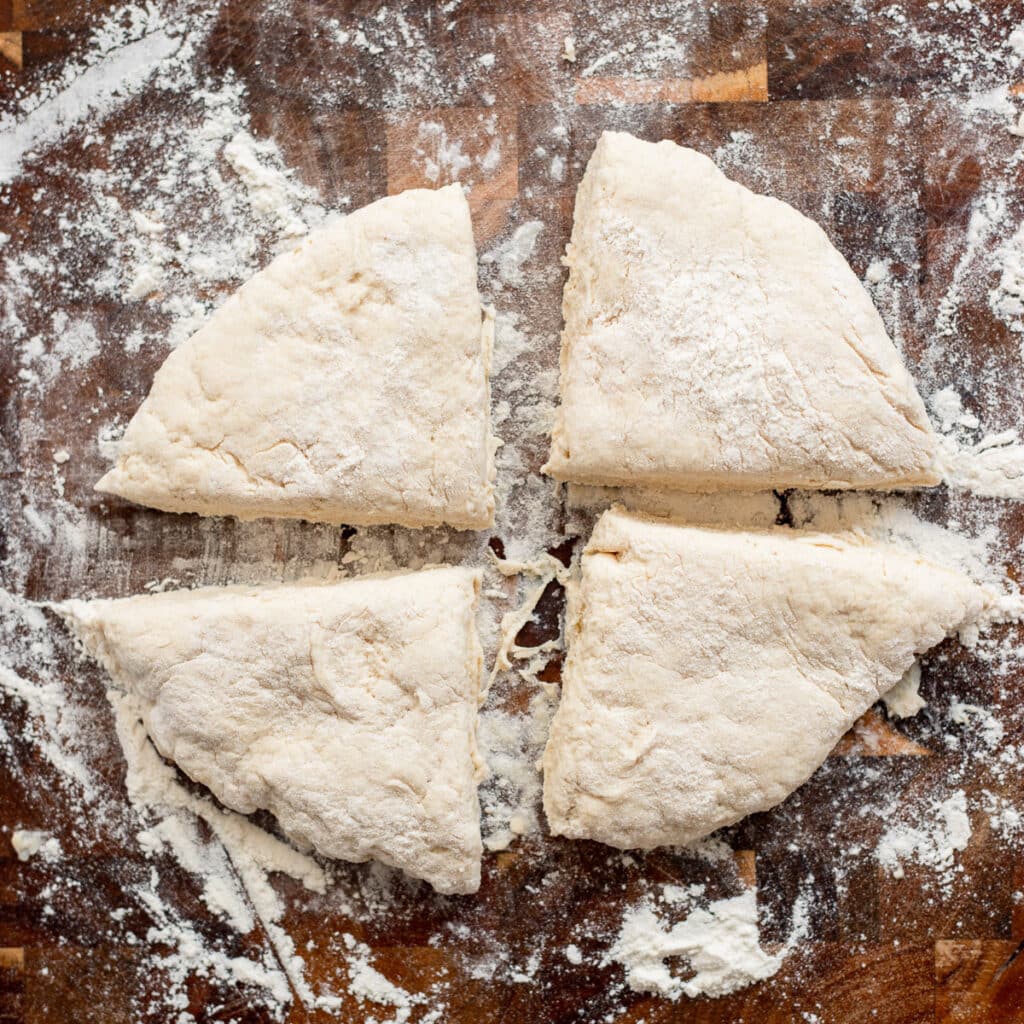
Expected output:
{"points": [[844, 110]]}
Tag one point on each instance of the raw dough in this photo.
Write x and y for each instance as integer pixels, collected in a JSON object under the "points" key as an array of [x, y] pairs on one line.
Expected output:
{"points": [[710, 672], [715, 339], [346, 710], [345, 383]]}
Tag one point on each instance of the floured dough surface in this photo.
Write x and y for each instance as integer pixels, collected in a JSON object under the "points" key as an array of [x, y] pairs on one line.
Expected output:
{"points": [[715, 339], [345, 383], [710, 672], [347, 710]]}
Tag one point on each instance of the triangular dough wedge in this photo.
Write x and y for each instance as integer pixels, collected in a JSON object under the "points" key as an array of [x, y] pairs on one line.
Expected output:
{"points": [[715, 339], [345, 383], [346, 710], [710, 672]]}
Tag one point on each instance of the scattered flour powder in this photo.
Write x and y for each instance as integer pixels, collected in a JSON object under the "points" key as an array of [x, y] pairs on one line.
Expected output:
{"points": [[166, 234], [509, 256], [719, 942], [439, 154], [944, 831], [127, 52]]}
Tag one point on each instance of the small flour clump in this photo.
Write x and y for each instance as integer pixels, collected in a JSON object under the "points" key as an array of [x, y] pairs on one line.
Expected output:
{"points": [[992, 465], [948, 407], [720, 944], [877, 272], [30, 843], [944, 832], [989, 728]]}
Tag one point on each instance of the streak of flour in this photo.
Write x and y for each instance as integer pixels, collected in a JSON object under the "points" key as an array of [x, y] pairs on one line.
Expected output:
{"points": [[126, 52], [169, 234], [150, 251], [140, 222]]}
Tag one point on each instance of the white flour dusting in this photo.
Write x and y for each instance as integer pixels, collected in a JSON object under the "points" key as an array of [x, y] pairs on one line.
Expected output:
{"points": [[992, 467], [268, 189], [439, 154], [719, 943], [368, 985], [1003, 817], [509, 256], [1007, 298], [948, 410], [172, 208], [656, 43], [944, 830], [989, 728], [988, 214], [53, 725], [125, 55], [987, 464], [512, 746]]}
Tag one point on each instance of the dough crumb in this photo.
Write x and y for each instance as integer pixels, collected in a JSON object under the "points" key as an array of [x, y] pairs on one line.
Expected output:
{"points": [[878, 271], [904, 700], [29, 843]]}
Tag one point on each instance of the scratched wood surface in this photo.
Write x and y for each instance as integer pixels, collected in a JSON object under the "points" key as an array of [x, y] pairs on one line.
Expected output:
{"points": [[795, 76]]}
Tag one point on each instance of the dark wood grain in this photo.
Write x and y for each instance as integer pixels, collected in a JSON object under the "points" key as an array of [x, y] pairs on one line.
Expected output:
{"points": [[793, 79]]}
